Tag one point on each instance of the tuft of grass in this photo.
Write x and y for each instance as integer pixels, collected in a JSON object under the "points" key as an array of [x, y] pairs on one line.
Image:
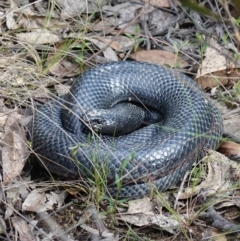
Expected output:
{"points": [[136, 37]]}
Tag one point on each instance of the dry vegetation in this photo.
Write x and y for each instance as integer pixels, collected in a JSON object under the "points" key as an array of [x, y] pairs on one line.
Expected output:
{"points": [[45, 45]]}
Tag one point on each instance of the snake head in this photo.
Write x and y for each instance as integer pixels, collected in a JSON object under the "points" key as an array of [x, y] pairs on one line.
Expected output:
{"points": [[115, 121], [99, 120]]}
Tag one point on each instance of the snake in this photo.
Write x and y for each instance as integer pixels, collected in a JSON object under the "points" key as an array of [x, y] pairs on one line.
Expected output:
{"points": [[131, 165]]}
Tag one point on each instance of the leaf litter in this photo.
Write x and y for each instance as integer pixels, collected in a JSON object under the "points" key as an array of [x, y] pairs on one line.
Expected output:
{"points": [[29, 70]]}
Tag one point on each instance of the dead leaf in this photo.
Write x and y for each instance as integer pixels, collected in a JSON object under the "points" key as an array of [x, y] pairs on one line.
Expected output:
{"points": [[65, 67], [39, 200], [122, 43], [10, 21], [31, 20], [16, 192], [160, 57], [62, 89], [214, 59], [141, 220], [54, 227], [230, 149], [38, 37], [216, 68], [158, 3], [142, 205], [124, 13], [3, 113], [161, 21], [3, 227], [140, 213], [106, 25], [15, 149], [220, 173], [71, 8], [100, 232], [104, 236], [25, 233], [108, 52], [232, 123], [61, 65], [218, 235]]}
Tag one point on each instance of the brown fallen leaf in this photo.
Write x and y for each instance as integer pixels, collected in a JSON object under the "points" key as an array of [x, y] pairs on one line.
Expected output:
{"points": [[218, 178], [3, 226], [10, 21], [160, 57], [218, 235], [161, 3], [71, 8], [221, 77], [54, 227], [38, 37], [230, 149], [113, 44], [39, 200], [63, 67], [140, 213], [158, 3], [216, 68], [25, 233], [16, 192], [14, 147], [106, 25], [108, 52], [142, 205], [62, 89], [60, 65], [122, 43], [231, 121]]}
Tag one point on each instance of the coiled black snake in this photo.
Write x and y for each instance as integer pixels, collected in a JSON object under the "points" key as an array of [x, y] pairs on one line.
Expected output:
{"points": [[157, 155]]}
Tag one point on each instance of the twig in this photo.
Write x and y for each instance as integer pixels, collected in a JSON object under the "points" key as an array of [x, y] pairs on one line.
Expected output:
{"points": [[180, 189], [236, 32], [216, 220]]}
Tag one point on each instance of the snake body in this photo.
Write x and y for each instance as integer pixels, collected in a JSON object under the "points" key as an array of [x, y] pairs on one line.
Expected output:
{"points": [[157, 155]]}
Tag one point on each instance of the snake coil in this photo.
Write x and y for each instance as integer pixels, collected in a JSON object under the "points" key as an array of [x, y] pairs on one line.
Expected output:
{"points": [[156, 155]]}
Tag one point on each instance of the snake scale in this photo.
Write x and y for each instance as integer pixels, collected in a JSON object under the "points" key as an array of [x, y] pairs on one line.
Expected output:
{"points": [[157, 155]]}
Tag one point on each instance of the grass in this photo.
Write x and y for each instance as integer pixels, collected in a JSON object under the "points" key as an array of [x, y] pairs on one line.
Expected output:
{"points": [[136, 37], [27, 82]]}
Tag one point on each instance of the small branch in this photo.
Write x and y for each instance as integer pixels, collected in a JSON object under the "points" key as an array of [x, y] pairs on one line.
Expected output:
{"points": [[236, 32], [216, 220]]}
